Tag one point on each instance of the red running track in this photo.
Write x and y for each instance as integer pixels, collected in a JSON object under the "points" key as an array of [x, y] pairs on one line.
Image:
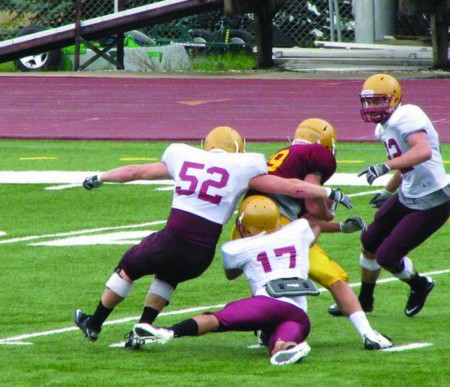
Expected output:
{"points": [[181, 109]]}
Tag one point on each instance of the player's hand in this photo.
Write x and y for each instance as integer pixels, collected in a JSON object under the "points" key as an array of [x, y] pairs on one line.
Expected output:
{"points": [[353, 224], [374, 172], [92, 182], [378, 200], [338, 196]]}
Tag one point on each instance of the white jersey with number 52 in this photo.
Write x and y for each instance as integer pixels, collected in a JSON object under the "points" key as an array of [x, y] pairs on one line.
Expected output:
{"points": [[209, 184]]}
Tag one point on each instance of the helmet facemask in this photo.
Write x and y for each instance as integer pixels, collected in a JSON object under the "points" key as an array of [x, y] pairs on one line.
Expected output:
{"points": [[380, 96], [375, 107]]}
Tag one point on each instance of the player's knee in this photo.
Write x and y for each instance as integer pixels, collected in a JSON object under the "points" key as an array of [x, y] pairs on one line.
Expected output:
{"points": [[162, 289], [119, 285], [368, 263], [368, 254], [388, 258]]}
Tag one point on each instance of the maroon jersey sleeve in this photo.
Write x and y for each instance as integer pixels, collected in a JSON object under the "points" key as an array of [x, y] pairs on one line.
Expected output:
{"points": [[299, 160]]}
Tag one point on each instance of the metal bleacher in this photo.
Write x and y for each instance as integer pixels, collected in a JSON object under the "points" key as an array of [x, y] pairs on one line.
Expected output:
{"points": [[103, 26]]}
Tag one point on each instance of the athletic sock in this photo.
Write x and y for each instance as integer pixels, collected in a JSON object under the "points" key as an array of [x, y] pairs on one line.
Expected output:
{"points": [[187, 327], [366, 293], [148, 315], [361, 323], [99, 317]]}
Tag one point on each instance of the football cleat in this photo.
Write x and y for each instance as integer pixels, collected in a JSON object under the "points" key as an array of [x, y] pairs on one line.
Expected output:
{"points": [[377, 341], [133, 342], [417, 297], [291, 355], [262, 339], [334, 309], [151, 334], [81, 320]]}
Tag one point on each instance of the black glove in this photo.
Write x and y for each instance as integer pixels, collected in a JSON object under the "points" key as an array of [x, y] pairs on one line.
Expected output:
{"points": [[374, 171], [92, 182], [338, 196], [378, 200], [355, 223]]}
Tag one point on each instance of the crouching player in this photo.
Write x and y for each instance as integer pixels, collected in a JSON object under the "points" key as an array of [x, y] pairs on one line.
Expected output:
{"points": [[275, 262]]}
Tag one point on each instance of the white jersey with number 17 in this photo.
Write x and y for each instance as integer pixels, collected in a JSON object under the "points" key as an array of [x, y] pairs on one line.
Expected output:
{"points": [[264, 257], [209, 184]]}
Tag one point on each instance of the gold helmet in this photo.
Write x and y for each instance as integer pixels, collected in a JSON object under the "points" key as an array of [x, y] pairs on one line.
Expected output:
{"points": [[225, 138], [316, 130], [257, 214], [380, 96]]}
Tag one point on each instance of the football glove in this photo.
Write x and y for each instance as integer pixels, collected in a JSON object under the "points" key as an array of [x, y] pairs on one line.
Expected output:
{"points": [[355, 223], [374, 172], [92, 182], [338, 196], [378, 200]]}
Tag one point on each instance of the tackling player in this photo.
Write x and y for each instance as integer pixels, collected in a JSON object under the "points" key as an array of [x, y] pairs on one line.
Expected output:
{"points": [[311, 157], [421, 205], [269, 257], [208, 184]]}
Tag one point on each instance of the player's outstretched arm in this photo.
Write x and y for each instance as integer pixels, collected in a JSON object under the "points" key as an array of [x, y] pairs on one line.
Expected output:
{"points": [[297, 188], [152, 171]]}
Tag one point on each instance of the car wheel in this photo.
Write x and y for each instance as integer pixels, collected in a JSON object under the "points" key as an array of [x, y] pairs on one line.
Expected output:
{"points": [[241, 40], [201, 38], [37, 62]]}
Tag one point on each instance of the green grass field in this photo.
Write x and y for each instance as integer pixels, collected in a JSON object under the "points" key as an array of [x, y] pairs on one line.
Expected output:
{"points": [[51, 266]]}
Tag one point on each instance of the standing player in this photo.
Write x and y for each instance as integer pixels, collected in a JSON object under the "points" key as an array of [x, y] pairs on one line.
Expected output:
{"points": [[311, 157], [421, 206], [208, 184], [269, 257]]}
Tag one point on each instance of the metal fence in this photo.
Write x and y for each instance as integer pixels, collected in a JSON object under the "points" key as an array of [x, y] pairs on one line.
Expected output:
{"points": [[299, 22]]}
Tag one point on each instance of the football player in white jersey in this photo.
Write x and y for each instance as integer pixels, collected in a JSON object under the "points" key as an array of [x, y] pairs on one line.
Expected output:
{"points": [[273, 260], [421, 205], [208, 184]]}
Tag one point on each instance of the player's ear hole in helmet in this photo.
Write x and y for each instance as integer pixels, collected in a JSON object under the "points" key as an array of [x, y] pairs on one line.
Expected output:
{"points": [[257, 214], [316, 130], [381, 94], [224, 138]]}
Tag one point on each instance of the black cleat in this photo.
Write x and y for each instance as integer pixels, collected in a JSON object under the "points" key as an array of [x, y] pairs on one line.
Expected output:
{"points": [[417, 297], [334, 309], [81, 320], [377, 341], [132, 341]]}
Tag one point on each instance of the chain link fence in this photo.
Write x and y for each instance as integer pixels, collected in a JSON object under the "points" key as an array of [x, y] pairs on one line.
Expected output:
{"points": [[298, 23]]}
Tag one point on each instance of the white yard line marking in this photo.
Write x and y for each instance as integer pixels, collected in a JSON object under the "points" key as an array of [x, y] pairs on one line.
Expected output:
{"points": [[81, 232], [70, 179], [399, 348], [18, 339], [363, 193]]}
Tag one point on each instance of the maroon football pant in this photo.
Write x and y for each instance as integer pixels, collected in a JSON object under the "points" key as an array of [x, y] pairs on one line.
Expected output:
{"points": [[278, 320], [396, 230]]}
